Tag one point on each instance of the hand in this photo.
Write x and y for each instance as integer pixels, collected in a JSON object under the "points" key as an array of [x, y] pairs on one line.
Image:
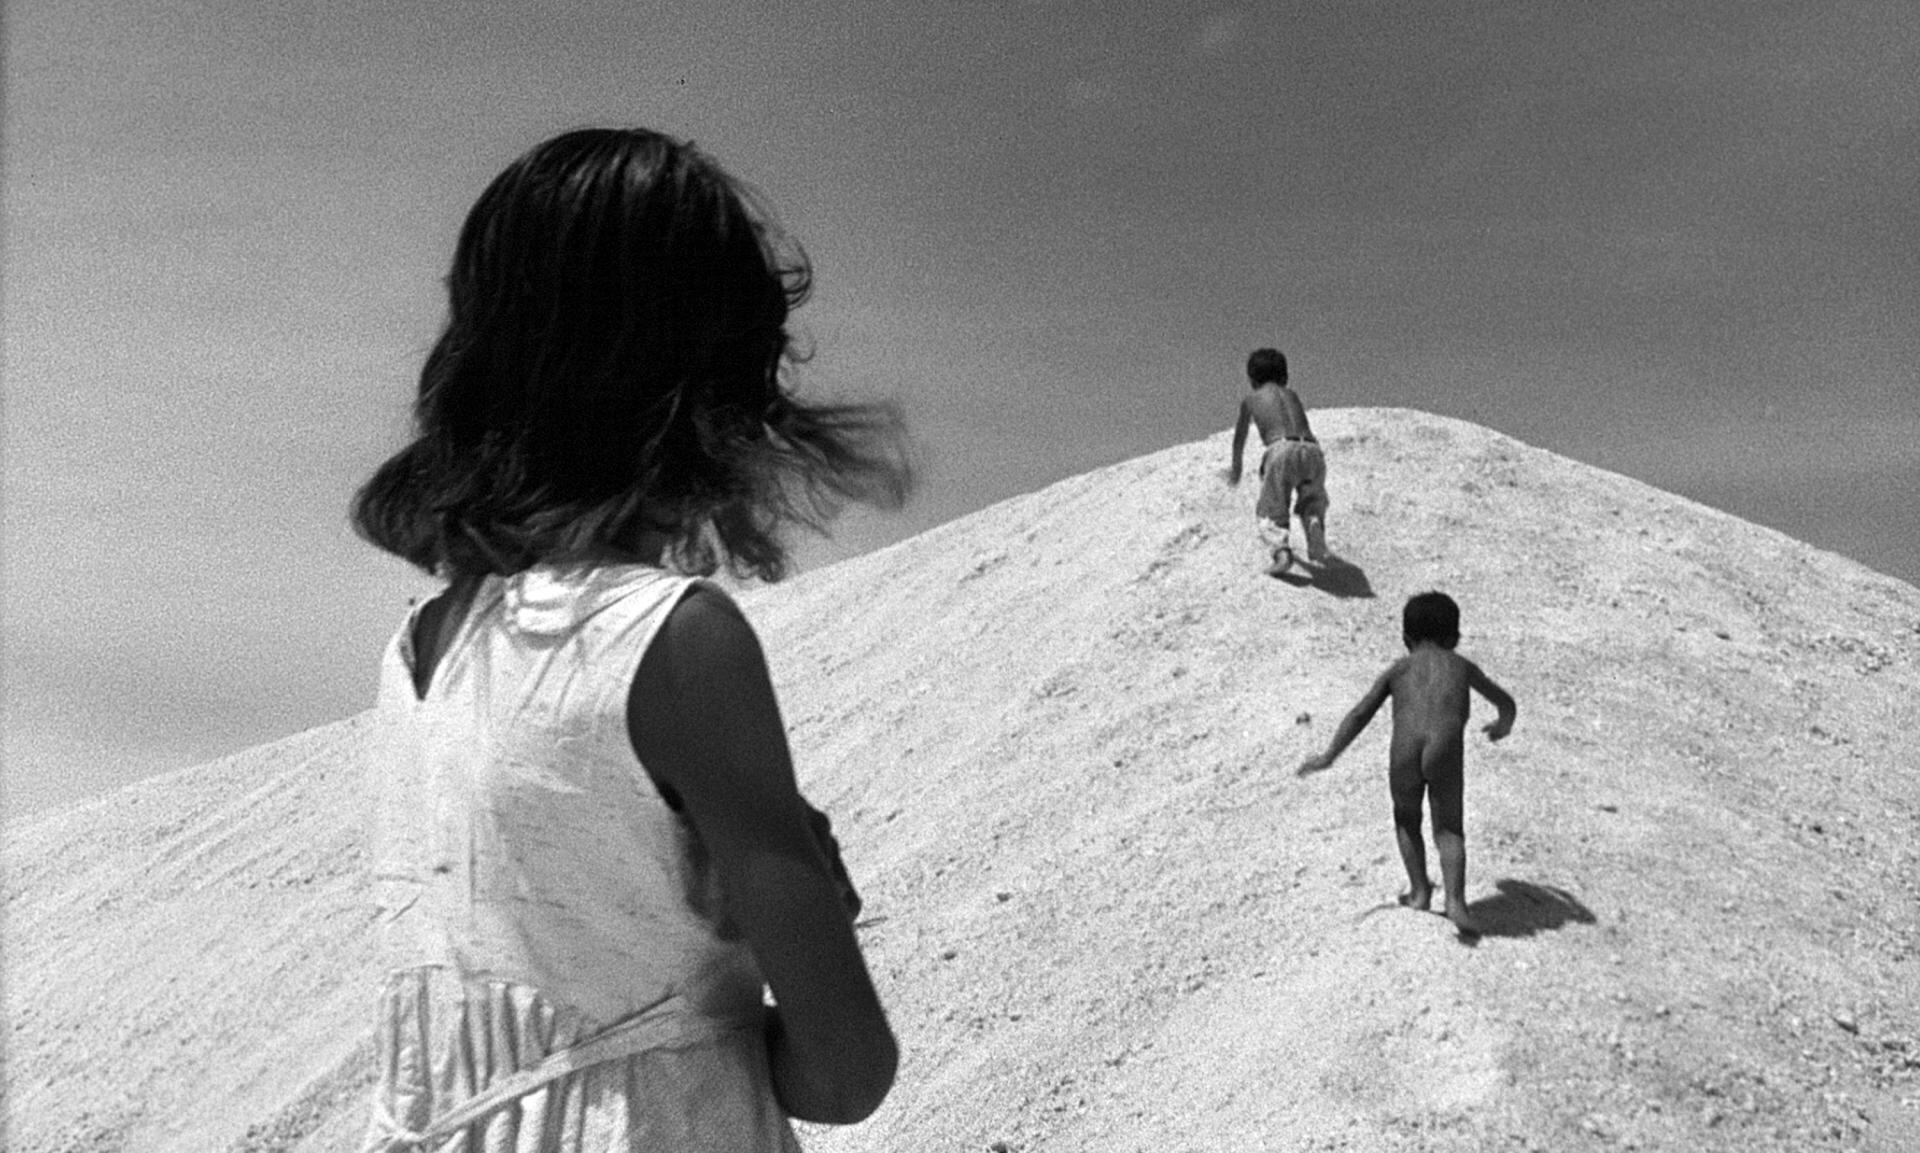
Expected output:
{"points": [[830, 845], [850, 897], [1317, 763], [1497, 729], [1233, 476]]}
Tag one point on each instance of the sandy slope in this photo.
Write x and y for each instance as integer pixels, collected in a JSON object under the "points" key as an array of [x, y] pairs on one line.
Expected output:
{"points": [[1058, 737]]}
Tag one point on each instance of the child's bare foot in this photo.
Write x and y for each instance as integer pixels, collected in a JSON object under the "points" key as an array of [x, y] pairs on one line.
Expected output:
{"points": [[1282, 561], [1420, 899], [1466, 925]]}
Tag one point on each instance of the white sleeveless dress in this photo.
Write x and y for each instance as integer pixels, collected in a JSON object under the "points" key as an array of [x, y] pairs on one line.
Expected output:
{"points": [[564, 977]]}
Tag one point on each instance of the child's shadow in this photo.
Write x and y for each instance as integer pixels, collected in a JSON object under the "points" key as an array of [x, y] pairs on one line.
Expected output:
{"points": [[1333, 575], [1522, 909]]}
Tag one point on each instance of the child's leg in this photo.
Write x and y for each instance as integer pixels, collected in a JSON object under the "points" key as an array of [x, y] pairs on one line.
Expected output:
{"points": [[1407, 786], [1276, 498], [1273, 535], [1445, 791], [1316, 530], [1311, 506], [1283, 548]]}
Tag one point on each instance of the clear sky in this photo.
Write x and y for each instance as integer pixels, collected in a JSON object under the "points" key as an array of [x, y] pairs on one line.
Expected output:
{"points": [[1678, 240]]}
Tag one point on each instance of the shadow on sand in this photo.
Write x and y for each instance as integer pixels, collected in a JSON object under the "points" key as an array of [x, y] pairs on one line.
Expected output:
{"points": [[1522, 909], [1333, 575]]}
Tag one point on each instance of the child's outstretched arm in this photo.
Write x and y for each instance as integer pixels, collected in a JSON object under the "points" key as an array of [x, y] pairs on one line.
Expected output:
{"points": [[1352, 724], [702, 717], [1239, 442], [1498, 697]]}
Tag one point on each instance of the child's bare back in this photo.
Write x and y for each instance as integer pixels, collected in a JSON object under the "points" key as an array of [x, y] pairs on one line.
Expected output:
{"points": [[1430, 707], [1277, 412]]}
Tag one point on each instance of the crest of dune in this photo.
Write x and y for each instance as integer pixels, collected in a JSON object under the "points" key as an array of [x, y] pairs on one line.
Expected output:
{"points": [[1057, 738]]}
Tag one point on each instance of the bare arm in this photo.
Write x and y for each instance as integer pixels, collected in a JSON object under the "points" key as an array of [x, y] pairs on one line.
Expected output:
{"points": [[1498, 697], [1239, 442], [702, 717], [1352, 724]]}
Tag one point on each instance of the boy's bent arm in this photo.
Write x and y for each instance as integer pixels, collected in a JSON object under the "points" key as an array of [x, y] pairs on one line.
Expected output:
{"points": [[702, 716], [1239, 443], [1498, 697], [1353, 723]]}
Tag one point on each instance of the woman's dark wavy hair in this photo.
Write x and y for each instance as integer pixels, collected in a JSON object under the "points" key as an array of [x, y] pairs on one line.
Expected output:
{"points": [[614, 365]]}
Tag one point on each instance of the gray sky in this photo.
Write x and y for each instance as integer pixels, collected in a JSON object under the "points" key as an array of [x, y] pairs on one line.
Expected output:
{"points": [[1677, 240]]}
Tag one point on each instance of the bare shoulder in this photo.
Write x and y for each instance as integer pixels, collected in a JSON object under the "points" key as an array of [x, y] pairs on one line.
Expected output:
{"points": [[704, 667], [1471, 670], [708, 624], [1486, 686], [709, 604]]}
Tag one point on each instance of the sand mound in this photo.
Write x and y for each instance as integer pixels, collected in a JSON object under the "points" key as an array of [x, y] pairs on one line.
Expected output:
{"points": [[1058, 736]]}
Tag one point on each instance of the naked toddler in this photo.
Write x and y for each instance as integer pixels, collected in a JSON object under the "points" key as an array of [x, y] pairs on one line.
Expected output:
{"points": [[1430, 705]]}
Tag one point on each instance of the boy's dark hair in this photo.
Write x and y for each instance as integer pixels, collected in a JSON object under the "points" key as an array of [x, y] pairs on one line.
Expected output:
{"points": [[1431, 616], [1267, 366], [613, 365]]}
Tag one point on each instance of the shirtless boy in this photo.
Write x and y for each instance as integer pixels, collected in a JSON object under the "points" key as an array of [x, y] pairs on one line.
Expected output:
{"points": [[1429, 690], [1291, 463]]}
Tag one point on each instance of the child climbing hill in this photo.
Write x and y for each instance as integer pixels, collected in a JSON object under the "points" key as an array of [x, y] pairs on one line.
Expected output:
{"points": [[1292, 468], [1427, 757], [590, 852]]}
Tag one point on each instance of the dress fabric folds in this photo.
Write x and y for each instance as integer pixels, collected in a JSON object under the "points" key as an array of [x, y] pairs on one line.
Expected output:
{"points": [[563, 972]]}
